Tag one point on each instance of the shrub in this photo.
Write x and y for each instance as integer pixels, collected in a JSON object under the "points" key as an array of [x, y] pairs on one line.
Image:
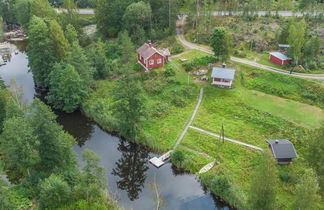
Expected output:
{"points": [[220, 185], [169, 71], [177, 157], [138, 67], [179, 101], [197, 62], [160, 109], [177, 48], [284, 174]]}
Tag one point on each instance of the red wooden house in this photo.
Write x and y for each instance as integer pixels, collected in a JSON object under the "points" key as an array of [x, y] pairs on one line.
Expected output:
{"points": [[150, 57], [279, 58]]}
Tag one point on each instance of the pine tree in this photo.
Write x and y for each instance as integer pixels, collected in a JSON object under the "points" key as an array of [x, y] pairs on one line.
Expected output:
{"points": [[127, 48]]}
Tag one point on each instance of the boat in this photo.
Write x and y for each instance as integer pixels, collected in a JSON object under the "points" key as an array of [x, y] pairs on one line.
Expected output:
{"points": [[16, 52]]}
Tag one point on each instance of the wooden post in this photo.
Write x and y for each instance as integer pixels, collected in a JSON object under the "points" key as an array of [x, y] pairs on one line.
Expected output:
{"points": [[222, 133]]}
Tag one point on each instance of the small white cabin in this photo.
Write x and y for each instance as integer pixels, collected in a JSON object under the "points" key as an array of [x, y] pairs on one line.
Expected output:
{"points": [[223, 77]]}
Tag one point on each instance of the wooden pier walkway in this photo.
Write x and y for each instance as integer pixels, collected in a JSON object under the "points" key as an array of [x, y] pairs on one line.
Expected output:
{"points": [[160, 161]]}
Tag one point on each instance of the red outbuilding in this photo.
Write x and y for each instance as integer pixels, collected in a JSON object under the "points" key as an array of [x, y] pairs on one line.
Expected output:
{"points": [[150, 57], [279, 58]]}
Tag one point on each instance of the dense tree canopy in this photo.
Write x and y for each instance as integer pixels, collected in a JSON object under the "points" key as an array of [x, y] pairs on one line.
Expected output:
{"points": [[40, 50], [23, 11], [221, 43], [66, 89], [129, 106], [60, 44]]}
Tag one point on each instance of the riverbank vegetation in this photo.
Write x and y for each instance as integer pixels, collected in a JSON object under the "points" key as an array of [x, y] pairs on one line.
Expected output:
{"points": [[37, 157]]}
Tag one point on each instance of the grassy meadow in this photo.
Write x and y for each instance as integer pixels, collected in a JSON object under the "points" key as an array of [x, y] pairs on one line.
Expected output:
{"points": [[261, 105]]}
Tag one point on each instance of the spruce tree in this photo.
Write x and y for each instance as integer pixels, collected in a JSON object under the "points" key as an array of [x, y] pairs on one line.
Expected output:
{"points": [[40, 50], [60, 44]]}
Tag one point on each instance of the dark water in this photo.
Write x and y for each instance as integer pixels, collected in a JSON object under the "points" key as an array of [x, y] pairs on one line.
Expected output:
{"points": [[128, 171]]}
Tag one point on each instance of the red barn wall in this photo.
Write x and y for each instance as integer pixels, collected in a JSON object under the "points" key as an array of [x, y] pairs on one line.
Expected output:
{"points": [[278, 61], [155, 57]]}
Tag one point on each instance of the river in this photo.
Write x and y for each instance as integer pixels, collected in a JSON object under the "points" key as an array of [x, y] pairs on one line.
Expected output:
{"points": [[128, 171]]}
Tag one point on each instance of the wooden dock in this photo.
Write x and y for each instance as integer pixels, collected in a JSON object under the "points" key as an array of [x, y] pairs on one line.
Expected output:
{"points": [[160, 161]]}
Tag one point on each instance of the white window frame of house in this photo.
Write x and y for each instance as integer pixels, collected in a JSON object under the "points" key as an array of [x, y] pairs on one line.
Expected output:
{"points": [[144, 61], [159, 61], [151, 62]]}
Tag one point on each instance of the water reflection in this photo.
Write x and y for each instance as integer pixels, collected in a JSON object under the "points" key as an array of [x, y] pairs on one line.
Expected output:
{"points": [[77, 125], [131, 168]]}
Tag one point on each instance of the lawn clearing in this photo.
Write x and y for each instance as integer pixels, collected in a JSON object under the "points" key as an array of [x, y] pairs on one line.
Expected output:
{"points": [[302, 114]]}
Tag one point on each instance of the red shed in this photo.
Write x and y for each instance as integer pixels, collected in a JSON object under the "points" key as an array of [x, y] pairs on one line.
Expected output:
{"points": [[149, 57], [279, 58]]}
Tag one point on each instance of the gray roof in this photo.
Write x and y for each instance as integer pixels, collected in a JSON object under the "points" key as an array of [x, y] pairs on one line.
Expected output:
{"points": [[147, 50], [223, 73], [282, 148], [279, 55]]}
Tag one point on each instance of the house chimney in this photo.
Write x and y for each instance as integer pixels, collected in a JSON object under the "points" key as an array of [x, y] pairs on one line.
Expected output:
{"points": [[277, 141], [150, 43], [223, 65]]}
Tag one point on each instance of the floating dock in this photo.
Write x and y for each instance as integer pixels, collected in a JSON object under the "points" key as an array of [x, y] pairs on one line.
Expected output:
{"points": [[160, 161]]}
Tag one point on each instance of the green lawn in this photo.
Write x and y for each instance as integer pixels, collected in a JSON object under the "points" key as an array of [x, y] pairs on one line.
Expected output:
{"points": [[302, 114]]}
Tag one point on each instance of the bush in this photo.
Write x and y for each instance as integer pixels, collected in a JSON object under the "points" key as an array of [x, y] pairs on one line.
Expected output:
{"points": [[169, 72], [284, 175], [197, 62], [176, 49], [220, 185], [160, 109], [177, 157], [138, 67], [179, 101]]}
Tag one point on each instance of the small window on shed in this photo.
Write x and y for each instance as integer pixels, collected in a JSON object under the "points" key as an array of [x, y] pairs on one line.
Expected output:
{"points": [[159, 61], [151, 62]]}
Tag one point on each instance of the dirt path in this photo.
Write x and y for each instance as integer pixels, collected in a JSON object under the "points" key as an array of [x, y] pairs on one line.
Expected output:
{"points": [[227, 139], [184, 131], [190, 45]]}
